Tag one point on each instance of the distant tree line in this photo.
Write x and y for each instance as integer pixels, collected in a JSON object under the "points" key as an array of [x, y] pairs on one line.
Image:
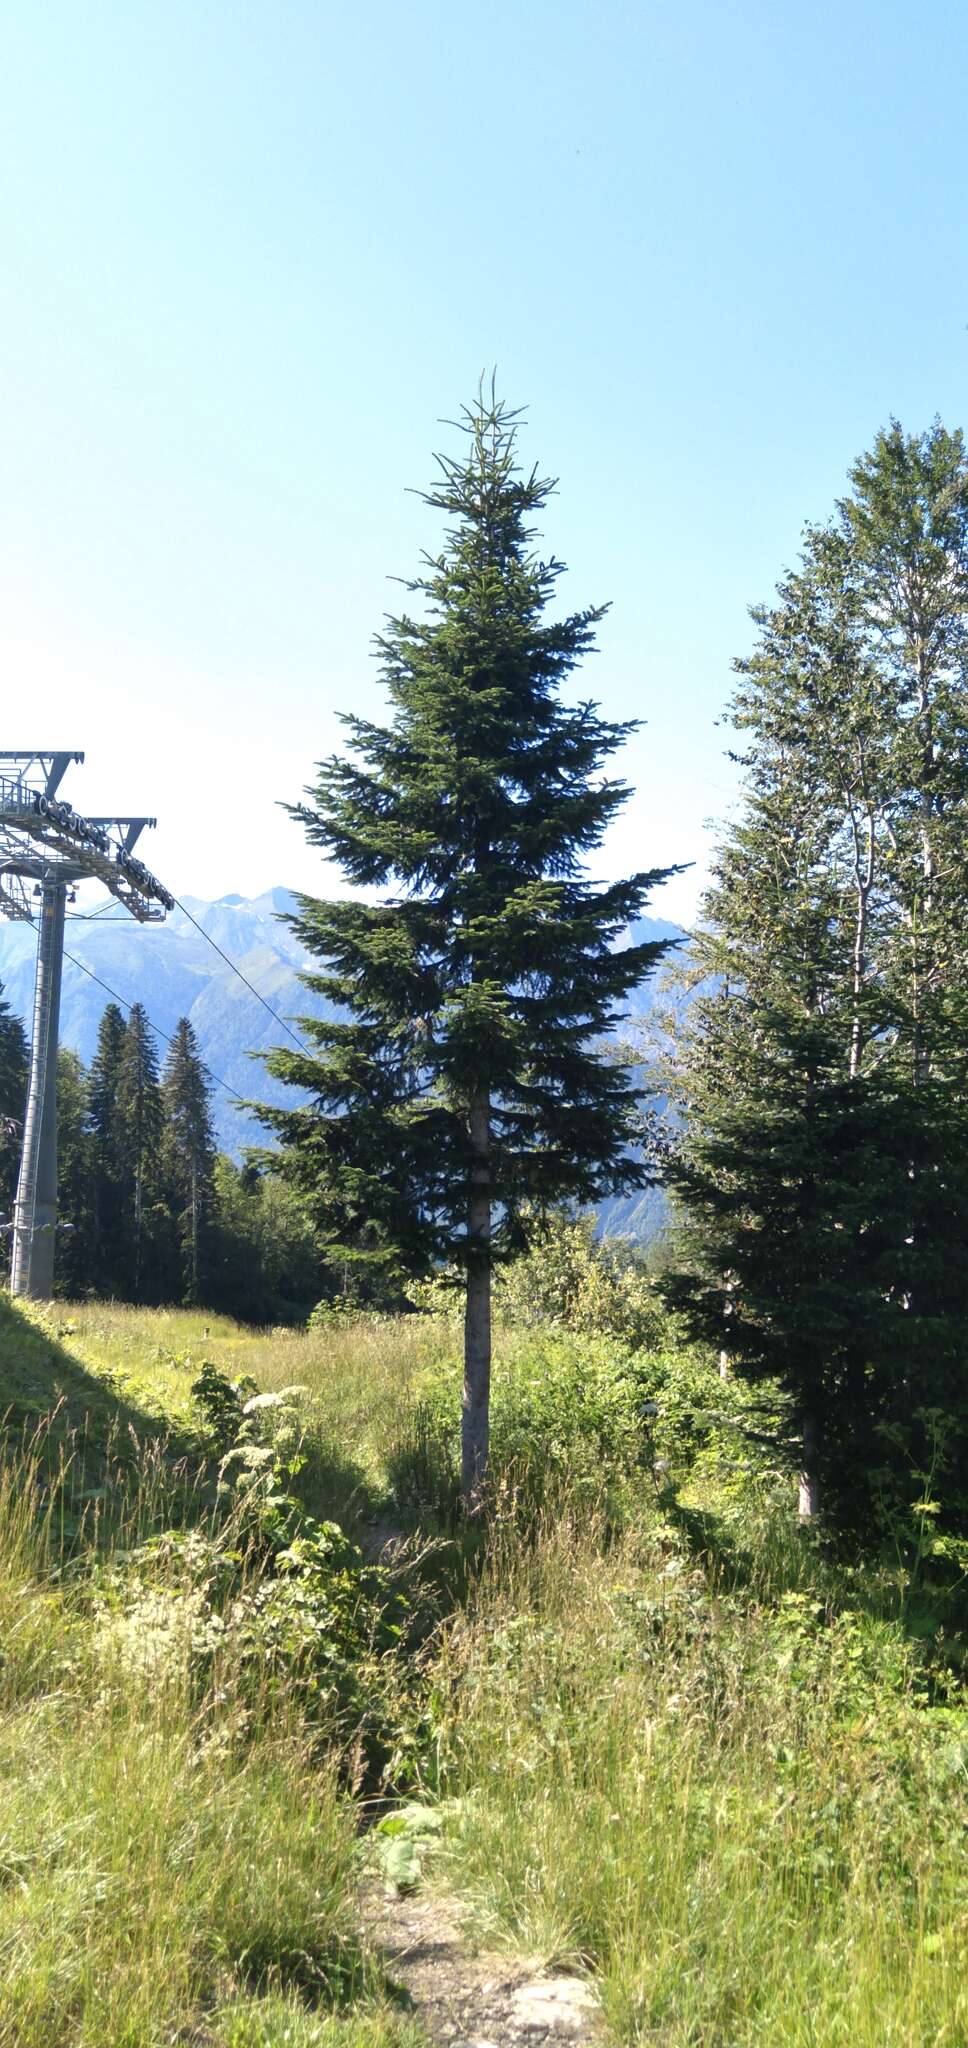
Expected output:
{"points": [[149, 1211], [13, 1095]]}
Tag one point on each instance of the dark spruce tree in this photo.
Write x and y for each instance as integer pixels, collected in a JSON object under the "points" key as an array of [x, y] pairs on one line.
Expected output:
{"points": [[823, 1070], [112, 1207], [146, 1224], [188, 1152], [75, 1256], [463, 1083]]}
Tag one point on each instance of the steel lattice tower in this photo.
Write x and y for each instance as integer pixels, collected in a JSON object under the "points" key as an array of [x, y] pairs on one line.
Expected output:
{"points": [[46, 847]]}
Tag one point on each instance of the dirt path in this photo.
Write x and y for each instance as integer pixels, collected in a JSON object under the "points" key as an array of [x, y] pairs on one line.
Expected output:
{"points": [[469, 2000], [461, 1997]]}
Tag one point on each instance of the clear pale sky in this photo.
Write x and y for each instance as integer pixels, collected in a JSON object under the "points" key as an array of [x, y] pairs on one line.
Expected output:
{"points": [[253, 253]]}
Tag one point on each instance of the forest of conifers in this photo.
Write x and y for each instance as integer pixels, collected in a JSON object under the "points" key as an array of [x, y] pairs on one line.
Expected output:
{"points": [[149, 1211]]}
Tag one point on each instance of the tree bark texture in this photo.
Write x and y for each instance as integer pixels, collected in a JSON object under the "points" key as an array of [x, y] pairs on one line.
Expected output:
{"points": [[477, 1317]]}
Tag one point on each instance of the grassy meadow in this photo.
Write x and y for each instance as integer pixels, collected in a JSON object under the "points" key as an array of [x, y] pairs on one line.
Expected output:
{"points": [[666, 1740]]}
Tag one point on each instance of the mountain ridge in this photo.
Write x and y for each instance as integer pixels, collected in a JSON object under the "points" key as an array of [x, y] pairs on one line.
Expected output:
{"points": [[175, 970]]}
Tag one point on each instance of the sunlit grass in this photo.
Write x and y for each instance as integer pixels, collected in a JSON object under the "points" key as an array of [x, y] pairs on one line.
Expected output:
{"points": [[743, 1818], [178, 1860], [358, 1377], [712, 1772]]}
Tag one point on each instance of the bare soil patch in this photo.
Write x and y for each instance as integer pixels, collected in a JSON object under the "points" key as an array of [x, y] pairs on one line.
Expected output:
{"points": [[466, 1999]]}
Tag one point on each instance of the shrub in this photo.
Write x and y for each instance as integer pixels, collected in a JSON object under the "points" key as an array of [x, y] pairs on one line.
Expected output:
{"points": [[573, 1278]]}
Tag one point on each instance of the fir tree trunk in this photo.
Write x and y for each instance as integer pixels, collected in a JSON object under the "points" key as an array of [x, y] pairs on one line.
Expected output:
{"points": [[137, 1226], [863, 884], [194, 1279], [477, 1316]]}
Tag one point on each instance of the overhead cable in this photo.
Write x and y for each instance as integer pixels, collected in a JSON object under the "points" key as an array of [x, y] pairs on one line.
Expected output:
{"points": [[283, 1026], [156, 1028]]}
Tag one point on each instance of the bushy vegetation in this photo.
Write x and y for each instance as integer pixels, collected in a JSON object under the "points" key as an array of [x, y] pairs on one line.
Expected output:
{"points": [[569, 1275], [660, 1734], [175, 1845], [735, 1803]]}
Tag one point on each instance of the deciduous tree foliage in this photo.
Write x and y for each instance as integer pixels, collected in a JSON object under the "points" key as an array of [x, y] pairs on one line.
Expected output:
{"points": [[823, 1076], [265, 1264], [462, 1079]]}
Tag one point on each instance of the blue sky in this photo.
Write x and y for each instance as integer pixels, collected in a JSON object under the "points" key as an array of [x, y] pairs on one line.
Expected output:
{"points": [[253, 253]]}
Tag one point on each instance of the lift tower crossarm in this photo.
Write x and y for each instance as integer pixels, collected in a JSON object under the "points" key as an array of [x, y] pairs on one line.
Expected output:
{"points": [[84, 846], [53, 764], [131, 828]]}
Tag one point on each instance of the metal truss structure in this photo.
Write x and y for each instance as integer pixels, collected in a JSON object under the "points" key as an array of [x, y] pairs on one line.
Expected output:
{"points": [[65, 845], [46, 848]]}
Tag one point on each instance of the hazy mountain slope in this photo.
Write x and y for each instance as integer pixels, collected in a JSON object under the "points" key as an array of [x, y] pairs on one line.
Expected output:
{"points": [[175, 972], [642, 1213]]}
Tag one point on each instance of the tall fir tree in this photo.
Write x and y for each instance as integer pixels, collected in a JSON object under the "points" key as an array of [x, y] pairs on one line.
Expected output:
{"points": [[14, 1059], [75, 1261], [112, 1206], [462, 1080], [824, 1067], [188, 1155], [140, 1118], [905, 524]]}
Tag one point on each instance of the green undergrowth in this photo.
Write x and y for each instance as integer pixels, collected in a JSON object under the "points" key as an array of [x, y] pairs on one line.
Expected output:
{"points": [[746, 1814], [187, 1701], [639, 1723], [582, 1415], [177, 1848]]}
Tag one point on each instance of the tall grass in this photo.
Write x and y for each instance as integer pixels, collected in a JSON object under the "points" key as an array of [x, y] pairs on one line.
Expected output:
{"points": [[359, 1380], [741, 1816], [175, 1863], [686, 1753]]}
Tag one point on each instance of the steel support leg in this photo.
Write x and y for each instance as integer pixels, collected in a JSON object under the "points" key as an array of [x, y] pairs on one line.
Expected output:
{"points": [[35, 1213]]}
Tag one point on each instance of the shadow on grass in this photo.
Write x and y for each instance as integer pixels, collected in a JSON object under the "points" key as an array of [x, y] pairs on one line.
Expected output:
{"points": [[97, 1449], [712, 1543], [335, 1487], [931, 1610], [77, 1422]]}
